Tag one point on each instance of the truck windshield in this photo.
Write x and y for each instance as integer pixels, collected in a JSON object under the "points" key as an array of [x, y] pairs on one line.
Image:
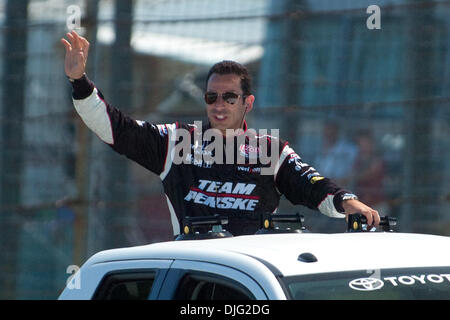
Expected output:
{"points": [[401, 283]]}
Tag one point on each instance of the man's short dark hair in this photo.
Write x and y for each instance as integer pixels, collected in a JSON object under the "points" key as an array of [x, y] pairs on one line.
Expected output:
{"points": [[232, 67]]}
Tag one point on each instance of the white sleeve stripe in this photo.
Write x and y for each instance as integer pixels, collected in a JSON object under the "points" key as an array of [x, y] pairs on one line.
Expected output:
{"points": [[284, 153], [327, 207], [173, 218], [92, 111], [171, 135]]}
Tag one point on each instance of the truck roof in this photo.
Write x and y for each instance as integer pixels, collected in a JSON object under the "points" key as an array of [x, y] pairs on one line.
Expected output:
{"points": [[301, 253]]}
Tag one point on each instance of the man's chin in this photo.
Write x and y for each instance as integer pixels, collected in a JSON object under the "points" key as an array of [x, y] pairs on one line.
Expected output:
{"points": [[222, 129], [222, 126], [218, 125]]}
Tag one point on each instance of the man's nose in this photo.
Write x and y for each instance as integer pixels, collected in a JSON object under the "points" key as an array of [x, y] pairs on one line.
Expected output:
{"points": [[219, 103]]}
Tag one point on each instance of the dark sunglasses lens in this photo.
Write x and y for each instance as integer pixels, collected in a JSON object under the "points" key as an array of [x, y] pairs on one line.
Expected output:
{"points": [[210, 97], [230, 97]]}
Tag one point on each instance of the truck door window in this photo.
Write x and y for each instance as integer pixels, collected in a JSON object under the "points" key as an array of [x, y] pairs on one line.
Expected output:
{"points": [[125, 286], [205, 286]]}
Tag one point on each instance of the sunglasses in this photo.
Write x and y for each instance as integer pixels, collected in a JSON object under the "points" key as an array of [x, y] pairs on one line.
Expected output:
{"points": [[228, 97]]}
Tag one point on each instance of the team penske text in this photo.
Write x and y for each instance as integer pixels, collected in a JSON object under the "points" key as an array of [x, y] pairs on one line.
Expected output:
{"points": [[223, 195]]}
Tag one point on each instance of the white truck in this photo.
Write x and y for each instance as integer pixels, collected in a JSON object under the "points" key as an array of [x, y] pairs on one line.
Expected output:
{"points": [[278, 264]]}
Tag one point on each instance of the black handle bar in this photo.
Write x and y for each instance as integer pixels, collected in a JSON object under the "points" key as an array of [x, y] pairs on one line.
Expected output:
{"points": [[357, 223]]}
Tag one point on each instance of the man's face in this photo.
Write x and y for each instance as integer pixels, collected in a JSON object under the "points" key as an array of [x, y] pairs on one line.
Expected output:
{"points": [[221, 114]]}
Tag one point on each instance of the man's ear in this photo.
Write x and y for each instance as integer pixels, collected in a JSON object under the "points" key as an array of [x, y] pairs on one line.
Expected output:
{"points": [[248, 103]]}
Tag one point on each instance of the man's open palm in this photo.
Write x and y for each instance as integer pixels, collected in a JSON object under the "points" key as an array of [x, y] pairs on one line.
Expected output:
{"points": [[77, 49]]}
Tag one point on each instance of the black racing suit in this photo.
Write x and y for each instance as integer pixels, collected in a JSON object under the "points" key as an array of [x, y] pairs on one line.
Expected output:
{"points": [[197, 187]]}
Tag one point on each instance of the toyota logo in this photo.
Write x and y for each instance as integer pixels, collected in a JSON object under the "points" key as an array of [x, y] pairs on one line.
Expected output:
{"points": [[366, 284]]}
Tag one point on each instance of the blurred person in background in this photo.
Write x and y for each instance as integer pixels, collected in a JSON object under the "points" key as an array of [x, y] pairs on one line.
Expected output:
{"points": [[369, 172], [337, 158], [200, 188]]}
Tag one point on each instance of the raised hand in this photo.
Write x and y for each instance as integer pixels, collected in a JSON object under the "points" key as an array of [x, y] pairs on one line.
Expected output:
{"points": [[77, 49]]}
